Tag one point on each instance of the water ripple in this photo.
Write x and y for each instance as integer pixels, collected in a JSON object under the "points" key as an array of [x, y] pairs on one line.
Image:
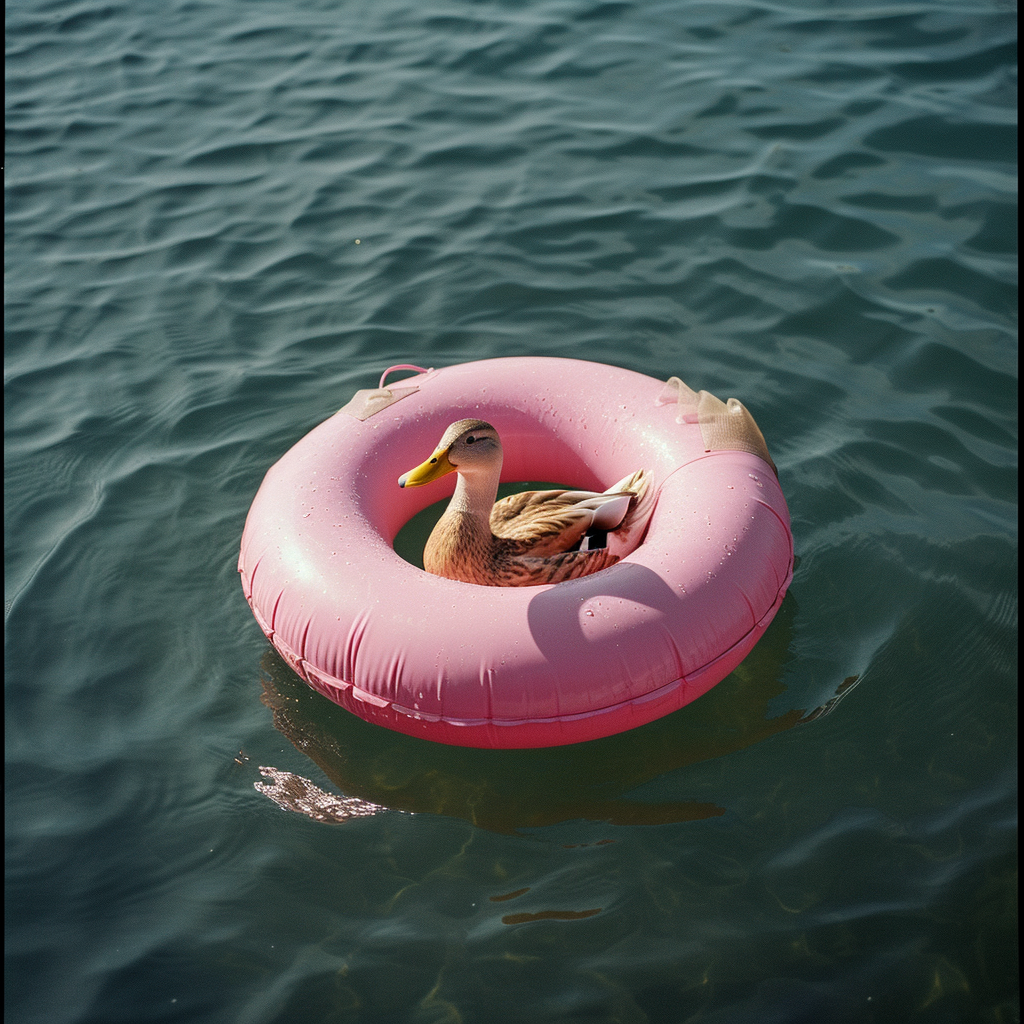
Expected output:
{"points": [[222, 221]]}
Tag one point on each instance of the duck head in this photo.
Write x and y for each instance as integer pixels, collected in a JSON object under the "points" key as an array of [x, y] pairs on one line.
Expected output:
{"points": [[468, 447]]}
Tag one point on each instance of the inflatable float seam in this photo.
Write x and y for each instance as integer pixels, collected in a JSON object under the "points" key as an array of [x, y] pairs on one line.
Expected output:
{"points": [[268, 629], [249, 582], [750, 607], [247, 591], [766, 505], [354, 640], [273, 613]]}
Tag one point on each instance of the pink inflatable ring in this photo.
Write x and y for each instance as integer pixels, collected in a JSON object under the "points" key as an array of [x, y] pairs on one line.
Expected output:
{"points": [[520, 666]]}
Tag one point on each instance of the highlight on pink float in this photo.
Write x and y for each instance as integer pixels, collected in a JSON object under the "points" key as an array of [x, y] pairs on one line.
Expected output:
{"points": [[527, 666]]}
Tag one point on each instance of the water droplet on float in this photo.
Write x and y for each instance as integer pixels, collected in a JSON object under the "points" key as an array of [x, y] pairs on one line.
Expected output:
{"points": [[589, 612]]}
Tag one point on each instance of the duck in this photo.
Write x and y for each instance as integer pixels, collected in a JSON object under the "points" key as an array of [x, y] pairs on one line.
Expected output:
{"points": [[526, 539]]}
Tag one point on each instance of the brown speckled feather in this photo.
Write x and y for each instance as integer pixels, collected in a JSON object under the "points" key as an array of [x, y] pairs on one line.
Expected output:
{"points": [[545, 529]]}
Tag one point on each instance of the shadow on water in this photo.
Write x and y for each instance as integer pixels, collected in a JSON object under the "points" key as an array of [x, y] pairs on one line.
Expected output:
{"points": [[508, 790]]}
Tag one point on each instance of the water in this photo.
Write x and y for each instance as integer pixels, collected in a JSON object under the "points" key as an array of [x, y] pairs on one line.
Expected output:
{"points": [[224, 218]]}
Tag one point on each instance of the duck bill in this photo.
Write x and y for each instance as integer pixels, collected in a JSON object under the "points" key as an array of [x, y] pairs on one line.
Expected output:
{"points": [[434, 468]]}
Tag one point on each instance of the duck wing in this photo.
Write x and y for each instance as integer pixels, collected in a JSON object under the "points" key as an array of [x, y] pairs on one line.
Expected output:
{"points": [[542, 523]]}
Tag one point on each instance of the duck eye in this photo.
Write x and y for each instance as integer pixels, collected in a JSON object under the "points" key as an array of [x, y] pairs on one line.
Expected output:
{"points": [[470, 439]]}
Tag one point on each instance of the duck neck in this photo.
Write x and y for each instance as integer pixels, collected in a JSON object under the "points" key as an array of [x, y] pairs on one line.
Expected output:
{"points": [[474, 496]]}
